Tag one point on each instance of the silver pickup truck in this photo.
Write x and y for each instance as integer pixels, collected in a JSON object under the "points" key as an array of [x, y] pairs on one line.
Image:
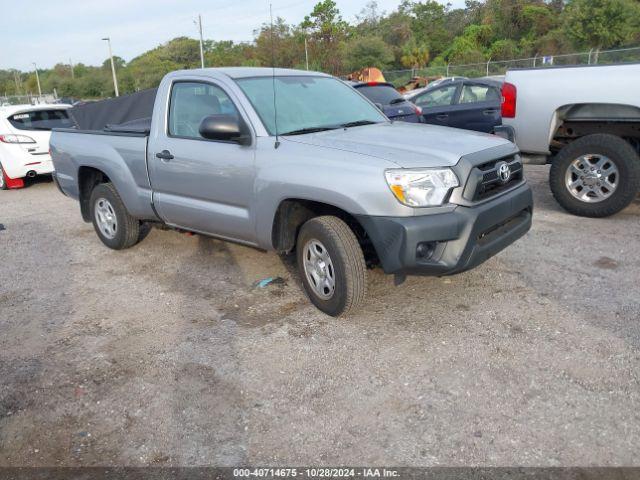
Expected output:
{"points": [[585, 122], [290, 160]]}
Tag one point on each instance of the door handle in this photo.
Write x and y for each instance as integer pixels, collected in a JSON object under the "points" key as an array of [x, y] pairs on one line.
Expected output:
{"points": [[442, 116], [164, 155]]}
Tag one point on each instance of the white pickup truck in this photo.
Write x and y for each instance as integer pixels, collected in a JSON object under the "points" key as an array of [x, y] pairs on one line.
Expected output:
{"points": [[585, 121]]}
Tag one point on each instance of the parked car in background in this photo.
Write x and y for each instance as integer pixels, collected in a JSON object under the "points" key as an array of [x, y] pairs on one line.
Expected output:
{"points": [[318, 171], [585, 121], [472, 104], [24, 141], [389, 100]]}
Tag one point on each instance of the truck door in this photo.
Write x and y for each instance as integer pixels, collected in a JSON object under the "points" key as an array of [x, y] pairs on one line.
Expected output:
{"points": [[199, 184], [477, 108]]}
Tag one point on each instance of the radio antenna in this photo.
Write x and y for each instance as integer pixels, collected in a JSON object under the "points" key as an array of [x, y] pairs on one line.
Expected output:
{"points": [[273, 78]]}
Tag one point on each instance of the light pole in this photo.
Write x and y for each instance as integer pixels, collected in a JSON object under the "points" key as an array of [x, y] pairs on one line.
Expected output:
{"points": [[35, 67], [201, 41], [306, 52], [113, 67]]}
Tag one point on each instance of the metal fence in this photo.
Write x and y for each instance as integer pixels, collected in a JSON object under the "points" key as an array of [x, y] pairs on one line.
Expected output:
{"points": [[28, 99], [500, 67]]}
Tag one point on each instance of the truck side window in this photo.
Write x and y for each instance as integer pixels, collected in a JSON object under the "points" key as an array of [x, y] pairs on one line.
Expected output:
{"points": [[191, 102]]}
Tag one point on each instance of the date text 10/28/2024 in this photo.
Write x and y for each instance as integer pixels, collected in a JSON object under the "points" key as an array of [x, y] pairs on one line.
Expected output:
{"points": [[315, 472]]}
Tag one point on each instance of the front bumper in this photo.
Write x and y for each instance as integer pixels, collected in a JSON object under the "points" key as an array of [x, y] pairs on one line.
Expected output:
{"points": [[449, 243]]}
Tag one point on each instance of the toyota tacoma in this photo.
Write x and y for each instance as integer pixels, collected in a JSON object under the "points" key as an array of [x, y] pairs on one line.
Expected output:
{"points": [[296, 161]]}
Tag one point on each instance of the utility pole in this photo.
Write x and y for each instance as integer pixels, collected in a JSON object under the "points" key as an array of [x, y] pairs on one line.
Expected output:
{"points": [[72, 74], [113, 67], [15, 78], [35, 67], [201, 41], [306, 52]]}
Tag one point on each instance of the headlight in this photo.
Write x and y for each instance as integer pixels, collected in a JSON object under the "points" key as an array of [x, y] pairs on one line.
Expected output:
{"points": [[421, 187]]}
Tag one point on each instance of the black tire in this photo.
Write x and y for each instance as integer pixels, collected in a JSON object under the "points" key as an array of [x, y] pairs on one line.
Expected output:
{"points": [[145, 229], [620, 152], [3, 179], [127, 231], [349, 268]]}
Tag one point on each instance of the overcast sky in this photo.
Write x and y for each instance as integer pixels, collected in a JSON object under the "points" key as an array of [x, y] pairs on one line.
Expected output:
{"points": [[56, 31]]}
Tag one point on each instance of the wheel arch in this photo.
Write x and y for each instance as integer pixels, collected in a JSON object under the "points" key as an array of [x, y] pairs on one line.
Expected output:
{"points": [[576, 120], [292, 213], [88, 178]]}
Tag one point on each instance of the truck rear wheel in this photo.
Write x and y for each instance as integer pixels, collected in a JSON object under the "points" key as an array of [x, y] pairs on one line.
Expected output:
{"points": [[113, 224], [331, 265], [595, 176]]}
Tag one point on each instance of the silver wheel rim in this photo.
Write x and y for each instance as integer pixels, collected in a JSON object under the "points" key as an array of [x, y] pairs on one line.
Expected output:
{"points": [[592, 178], [318, 269], [106, 218], [1, 177]]}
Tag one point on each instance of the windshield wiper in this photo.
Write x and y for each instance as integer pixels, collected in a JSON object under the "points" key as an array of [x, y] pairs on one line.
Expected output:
{"points": [[357, 123], [397, 100], [302, 131]]}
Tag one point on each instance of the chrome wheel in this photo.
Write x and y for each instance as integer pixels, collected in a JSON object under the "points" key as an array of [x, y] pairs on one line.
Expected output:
{"points": [[106, 218], [319, 270], [592, 178]]}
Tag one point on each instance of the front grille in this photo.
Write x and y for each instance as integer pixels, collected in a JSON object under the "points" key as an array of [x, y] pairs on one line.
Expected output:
{"points": [[489, 182]]}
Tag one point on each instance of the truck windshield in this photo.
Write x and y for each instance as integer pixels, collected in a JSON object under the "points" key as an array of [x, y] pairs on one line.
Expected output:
{"points": [[306, 104]]}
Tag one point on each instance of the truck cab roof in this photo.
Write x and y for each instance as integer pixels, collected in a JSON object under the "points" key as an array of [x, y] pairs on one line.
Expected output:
{"points": [[247, 72]]}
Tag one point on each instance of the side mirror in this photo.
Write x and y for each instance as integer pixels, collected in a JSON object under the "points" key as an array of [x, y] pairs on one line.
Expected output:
{"points": [[224, 127]]}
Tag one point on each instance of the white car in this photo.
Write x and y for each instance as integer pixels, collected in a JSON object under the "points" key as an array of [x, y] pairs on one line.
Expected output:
{"points": [[24, 141]]}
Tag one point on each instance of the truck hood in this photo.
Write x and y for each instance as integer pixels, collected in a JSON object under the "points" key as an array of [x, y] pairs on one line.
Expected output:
{"points": [[408, 145]]}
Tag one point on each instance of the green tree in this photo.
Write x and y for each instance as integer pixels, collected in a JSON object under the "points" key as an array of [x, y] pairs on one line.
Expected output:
{"points": [[227, 53], [538, 20], [279, 46], [368, 52], [601, 23], [182, 51], [429, 25], [118, 62], [504, 50], [369, 18], [327, 30], [415, 55], [471, 45]]}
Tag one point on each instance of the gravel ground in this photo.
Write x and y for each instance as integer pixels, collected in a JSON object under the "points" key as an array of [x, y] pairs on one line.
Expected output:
{"points": [[166, 354]]}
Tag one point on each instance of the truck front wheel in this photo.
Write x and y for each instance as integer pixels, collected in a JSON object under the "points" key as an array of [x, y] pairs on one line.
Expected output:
{"points": [[595, 176], [113, 224], [331, 265]]}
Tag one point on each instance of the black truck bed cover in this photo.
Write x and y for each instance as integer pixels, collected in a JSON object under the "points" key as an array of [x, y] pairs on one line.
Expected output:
{"points": [[126, 114]]}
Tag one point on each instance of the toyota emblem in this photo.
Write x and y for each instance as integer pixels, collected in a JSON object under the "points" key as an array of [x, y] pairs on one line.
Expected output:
{"points": [[504, 172]]}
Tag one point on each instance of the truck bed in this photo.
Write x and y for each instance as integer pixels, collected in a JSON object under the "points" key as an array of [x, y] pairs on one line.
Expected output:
{"points": [[546, 94], [120, 155]]}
